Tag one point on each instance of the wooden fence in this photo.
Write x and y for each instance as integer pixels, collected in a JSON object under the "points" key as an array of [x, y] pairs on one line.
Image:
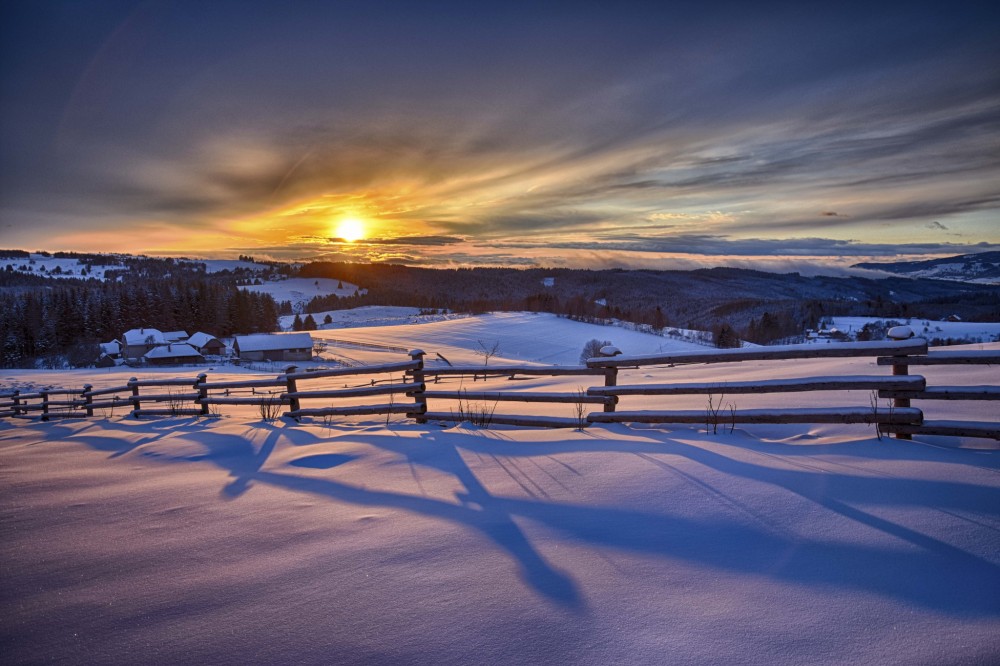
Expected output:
{"points": [[408, 394]]}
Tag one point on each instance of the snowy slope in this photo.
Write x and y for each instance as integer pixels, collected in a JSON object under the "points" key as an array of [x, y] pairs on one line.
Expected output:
{"points": [[522, 336], [55, 267], [370, 316], [981, 268], [928, 328], [236, 541], [219, 265], [299, 291]]}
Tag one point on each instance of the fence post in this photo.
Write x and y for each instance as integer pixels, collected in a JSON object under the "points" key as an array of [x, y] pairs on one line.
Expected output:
{"points": [[293, 403], [202, 393], [610, 374], [136, 403], [420, 386], [901, 333], [88, 399], [45, 405], [17, 400]]}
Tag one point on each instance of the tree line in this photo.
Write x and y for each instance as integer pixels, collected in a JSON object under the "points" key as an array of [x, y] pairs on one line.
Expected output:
{"points": [[65, 320]]}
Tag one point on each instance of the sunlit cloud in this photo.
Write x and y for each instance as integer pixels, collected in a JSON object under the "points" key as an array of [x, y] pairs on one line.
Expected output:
{"points": [[608, 134]]}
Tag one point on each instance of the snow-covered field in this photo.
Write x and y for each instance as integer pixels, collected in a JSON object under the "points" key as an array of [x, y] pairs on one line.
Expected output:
{"points": [[55, 267], [231, 540], [299, 291], [929, 329], [519, 336], [369, 316]]}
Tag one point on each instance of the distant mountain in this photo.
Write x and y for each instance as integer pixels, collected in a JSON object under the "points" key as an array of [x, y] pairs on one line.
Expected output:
{"points": [[981, 268]]}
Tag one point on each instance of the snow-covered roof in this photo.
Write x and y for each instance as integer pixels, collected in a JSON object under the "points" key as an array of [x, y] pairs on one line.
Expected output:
{"points": [[176, 350], [111, 348], [201, 339], [175, 336], [270, 342], [138, 336]]}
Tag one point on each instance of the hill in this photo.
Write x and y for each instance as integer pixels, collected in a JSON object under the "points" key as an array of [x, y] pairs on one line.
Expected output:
{"points": [[233, 540], [983, 268]]}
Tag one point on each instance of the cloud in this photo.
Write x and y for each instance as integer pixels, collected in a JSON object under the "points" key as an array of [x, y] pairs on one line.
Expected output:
{"points": [[700, 123], [416, 240], [710, 245]]}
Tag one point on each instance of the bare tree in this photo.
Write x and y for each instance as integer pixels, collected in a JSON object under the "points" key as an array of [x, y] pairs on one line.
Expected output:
{"points": [[487, 351], [593, 349]]}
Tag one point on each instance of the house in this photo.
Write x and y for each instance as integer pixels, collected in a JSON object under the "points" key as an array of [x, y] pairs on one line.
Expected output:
{"points": [[111, 349], [271, 347], [173, 354], [175, 336], [105, 361], [138, 341], [207, 344]]}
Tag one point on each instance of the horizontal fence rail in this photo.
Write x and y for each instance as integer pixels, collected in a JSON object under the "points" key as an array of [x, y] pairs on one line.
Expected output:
{"points": [[401, 388]]}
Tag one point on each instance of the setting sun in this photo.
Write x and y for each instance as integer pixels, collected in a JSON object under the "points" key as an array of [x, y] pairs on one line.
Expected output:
{"points": [[350, 229]]}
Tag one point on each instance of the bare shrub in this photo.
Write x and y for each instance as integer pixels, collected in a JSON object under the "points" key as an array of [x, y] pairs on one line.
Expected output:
{"points": [[477, 413], [269, 408], [580, 408], [712, 413]]}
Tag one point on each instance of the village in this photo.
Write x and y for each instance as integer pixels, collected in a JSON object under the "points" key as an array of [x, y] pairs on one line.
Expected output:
{"points": [[152, 347]]}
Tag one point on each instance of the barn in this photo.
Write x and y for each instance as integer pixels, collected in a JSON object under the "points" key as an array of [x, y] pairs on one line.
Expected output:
{"points": [[272, 347], [207, 344], [138, 341], [173, 354]]}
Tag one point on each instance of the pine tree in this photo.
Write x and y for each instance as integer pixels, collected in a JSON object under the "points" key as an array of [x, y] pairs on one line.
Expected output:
{"points": [[297, 323]]}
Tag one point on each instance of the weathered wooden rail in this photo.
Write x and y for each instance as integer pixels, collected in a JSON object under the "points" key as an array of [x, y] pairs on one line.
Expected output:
{"points": [[900, 366], [401, 388]]}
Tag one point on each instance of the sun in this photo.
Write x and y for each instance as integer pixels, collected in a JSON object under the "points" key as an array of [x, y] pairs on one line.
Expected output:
{"points": [[350, 229]]}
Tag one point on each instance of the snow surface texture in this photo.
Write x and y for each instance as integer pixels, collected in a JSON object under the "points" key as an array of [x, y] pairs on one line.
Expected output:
{"points": [[232, 540], [540, 338], [299, 291], [928, 328], [370, 315]]}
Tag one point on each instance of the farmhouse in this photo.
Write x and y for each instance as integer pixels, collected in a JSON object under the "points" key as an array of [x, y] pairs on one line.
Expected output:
{"points": [[173, 354], [207, 344], [111, 349], [269, 347], [138, 341]]}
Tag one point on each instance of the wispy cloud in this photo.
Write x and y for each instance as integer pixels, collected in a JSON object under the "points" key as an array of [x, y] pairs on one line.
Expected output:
{"points": [[739, 133]]}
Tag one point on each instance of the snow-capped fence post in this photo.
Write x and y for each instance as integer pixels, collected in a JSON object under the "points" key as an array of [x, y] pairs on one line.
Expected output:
{"points": [[293, 402], [199, 385], [610, 374], [901, 333], [88, 399], [45, 405], [133, 383], [419, 386], [16, 399]]}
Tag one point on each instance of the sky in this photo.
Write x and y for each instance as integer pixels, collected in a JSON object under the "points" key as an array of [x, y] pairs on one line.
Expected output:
{"points": [[582, 134]]}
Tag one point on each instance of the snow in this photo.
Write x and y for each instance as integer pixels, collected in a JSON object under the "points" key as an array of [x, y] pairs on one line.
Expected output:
{"points": [[299, 291], [67, 268], [200, 339], [273, 342], [112, 348], [174, 350], [232, 540], [139, 336], [219, 265], [369, 316], [522, 336], [928, 328]]}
